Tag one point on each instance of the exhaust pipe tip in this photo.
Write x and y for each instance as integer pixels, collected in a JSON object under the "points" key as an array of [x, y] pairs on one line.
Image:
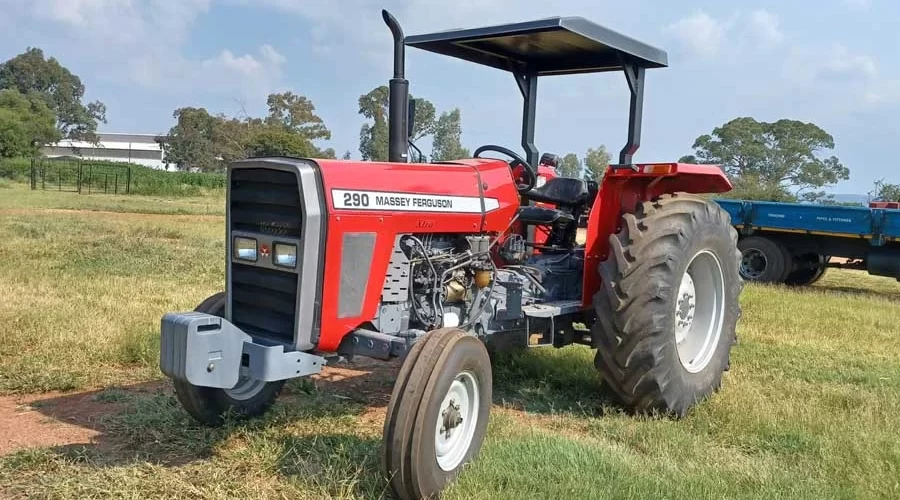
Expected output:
{"points": [[398, 90], [399, 46]]}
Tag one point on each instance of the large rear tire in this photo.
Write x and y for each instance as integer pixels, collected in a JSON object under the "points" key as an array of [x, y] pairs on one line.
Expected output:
{"points": [[668, 304], [438, 414], [210, 405], [764, 260]]}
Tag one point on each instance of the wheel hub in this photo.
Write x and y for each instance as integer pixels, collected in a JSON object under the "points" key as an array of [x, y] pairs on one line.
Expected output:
{"points": [[456, 421], [753, 263], [684, 314], [452, 418], [699, 311]]}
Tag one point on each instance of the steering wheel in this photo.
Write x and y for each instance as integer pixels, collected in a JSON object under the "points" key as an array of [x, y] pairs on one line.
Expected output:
{"points": [[531, 176]]}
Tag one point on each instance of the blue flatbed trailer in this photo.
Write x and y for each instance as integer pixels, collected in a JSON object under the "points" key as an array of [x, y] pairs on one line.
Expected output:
{"points": [[793, 243]]}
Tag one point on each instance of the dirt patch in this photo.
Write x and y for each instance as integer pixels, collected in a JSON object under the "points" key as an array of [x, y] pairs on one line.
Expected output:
{"points": [[56, 419], [365, 379]]}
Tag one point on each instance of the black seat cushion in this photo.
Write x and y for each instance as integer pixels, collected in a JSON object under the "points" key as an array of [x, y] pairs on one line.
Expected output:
{"points": [[543, 216], [561, 191]]}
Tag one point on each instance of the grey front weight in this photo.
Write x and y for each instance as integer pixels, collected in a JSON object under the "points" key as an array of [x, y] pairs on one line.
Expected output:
{"points": [[207, 351]]}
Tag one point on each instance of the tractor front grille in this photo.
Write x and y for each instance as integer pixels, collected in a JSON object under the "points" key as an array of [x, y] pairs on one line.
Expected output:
{"points": [[264, 300], [266, 201]]}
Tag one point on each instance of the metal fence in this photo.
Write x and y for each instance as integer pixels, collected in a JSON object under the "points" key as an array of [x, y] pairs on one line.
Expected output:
{"points": [[79, 176]]}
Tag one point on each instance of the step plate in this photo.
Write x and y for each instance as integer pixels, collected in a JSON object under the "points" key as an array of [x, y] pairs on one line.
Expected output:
{"points": [[552, 309]]}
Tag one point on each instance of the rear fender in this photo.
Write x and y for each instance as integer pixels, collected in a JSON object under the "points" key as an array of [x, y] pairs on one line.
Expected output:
{"points": [[623, 189]]}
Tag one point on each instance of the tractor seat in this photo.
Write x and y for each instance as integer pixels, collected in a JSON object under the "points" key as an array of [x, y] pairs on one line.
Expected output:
{"points": [[544, 216], [561, 191]]}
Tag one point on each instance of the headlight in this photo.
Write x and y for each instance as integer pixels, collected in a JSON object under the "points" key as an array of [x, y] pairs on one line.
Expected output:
{"points": [[245, 248], [541, 180], [285, 255]]}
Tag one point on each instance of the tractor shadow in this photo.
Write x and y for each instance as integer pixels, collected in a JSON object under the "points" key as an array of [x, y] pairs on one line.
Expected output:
{"points": [[551, 381], [323, 432], [889, 292]]}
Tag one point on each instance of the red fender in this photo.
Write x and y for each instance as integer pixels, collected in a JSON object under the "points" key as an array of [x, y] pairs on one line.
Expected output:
{"points": [[623, 188]]}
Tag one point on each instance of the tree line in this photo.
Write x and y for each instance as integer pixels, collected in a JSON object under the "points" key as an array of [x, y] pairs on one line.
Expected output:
{"points": [[41, 102]]}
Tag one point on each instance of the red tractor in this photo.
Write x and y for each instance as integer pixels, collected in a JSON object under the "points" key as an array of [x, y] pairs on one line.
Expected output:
{"points": [[434, 263]]}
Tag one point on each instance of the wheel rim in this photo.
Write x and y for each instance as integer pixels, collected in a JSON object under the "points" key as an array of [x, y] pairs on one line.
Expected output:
{"points": [[245, 389], [753, 263], [699, 311], [456, 421]]}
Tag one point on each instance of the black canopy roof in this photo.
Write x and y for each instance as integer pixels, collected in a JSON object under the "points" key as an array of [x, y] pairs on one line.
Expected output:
{"points": [[554, 46]]}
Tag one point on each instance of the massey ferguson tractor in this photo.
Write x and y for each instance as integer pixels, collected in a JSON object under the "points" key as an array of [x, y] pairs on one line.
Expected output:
{"points": [[437, 263]]}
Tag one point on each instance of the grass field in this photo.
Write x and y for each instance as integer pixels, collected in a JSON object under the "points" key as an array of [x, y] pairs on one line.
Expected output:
{"points": [[810, 408]]}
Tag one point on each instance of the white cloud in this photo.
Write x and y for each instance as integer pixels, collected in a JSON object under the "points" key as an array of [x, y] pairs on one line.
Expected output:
{"points": [[833, 65], [704, 35], [699, 32], [257, 74], [356, 26], [141, 41], [765, 27], [883, 93], [103, 22], [840, 63]]}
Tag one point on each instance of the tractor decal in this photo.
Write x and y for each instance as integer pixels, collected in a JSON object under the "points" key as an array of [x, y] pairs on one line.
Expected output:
{"points": [[348, 199]]}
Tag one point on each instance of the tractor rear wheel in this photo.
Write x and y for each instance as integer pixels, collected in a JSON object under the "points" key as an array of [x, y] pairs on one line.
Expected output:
{"points": [[668, 304], [438, 414], [210, 405]]}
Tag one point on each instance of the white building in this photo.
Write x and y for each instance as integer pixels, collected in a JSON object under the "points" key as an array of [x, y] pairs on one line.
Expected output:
{"points": [[131, 148]]}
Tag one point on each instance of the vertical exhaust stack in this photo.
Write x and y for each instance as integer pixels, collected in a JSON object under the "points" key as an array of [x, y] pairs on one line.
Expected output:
{"points": [[398, 106]]}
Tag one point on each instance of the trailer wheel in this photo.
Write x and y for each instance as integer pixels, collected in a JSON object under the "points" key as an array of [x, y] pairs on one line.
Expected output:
{"points": [[668, 304], [764, 260], [210, 405], [438, 414], [810, 270]]}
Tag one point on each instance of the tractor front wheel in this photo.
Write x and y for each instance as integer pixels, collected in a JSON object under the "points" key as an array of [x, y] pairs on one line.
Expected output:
{"points": [[668, 305], [438, 414], [210, 405]]}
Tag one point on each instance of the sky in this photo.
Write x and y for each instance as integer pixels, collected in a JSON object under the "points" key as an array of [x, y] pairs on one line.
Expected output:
{"points": [[834, 63]]}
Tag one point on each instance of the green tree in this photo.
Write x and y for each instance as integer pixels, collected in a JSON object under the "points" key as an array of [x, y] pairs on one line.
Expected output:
{"points": [[276, 141], [784, 156], [24, 120], [204, 142], [290, 129], [885, 191], [425, 118], [191, 143], [749, 187], [231, 136], [447, 145], [596, 161], [570, 166], [373, 137], [297, 114], [61, 90]]}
